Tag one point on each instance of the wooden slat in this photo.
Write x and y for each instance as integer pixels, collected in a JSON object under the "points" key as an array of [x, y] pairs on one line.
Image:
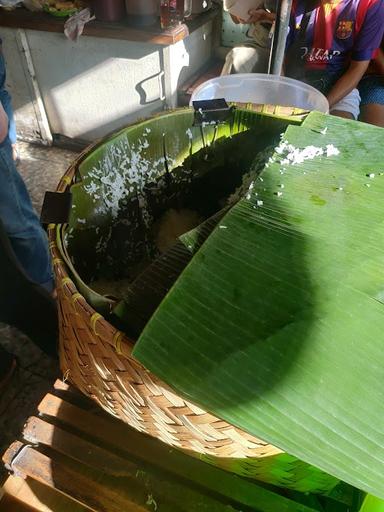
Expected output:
{"points": [[143, 491], [60, 385], [70, 394], [11, 453], [10, 503], [115, 435], [36, 431], [162, 486], [82, 457], [22, 18], [96, 497], [31, 496]]}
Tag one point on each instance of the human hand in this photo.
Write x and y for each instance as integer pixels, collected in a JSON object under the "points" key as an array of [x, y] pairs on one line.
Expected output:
{"points": [[237, 20], [3, 123], [260, 15]]}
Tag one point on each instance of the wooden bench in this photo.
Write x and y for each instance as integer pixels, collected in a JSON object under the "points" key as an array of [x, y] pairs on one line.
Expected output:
{"points": [[73, 457]]}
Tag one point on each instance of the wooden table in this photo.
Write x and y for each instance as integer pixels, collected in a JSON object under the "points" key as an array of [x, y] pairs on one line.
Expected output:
{"points": [[73, 457], [22, 18]]}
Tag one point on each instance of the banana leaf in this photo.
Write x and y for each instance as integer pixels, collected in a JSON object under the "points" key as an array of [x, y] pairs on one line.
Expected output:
{"points": [[146, 292], [102, 304], [143, 296], [372, 504], [127, 182], [277, 323]]}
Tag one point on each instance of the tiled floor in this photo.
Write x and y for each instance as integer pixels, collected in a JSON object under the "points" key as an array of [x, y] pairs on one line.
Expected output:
{"points": [[41, 169]]}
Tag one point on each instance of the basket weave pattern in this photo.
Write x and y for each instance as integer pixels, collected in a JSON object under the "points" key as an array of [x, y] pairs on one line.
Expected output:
{"points": [[97, 359]]}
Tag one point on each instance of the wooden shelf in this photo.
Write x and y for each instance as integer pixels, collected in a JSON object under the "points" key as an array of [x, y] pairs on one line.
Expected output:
{"points": [[22, 18]]}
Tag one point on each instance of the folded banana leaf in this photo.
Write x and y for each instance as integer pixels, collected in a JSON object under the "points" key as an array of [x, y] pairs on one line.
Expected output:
{"points": [[145, 293], [102, 304], [277, 323], [372, 504], [130, 179]]}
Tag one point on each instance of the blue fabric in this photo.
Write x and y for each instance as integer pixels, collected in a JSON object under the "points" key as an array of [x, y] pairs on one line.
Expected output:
{"points": [[21, 223], [371, 89], [5, 99]]}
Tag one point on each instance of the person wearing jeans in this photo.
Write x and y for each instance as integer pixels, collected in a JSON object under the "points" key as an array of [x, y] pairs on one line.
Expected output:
{"points": [[27, 237], [21, 223], [5, 99], [371, 89]]}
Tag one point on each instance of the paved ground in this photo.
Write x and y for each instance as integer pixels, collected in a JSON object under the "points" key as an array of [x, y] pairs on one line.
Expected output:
{"points": [[41, 169]]}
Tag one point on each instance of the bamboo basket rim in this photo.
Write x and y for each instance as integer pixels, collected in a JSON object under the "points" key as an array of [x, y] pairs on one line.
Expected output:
{"points": [[119, 341], [123, 345]]}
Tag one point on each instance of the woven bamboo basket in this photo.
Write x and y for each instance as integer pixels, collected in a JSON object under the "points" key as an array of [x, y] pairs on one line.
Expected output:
{"points": [[97, 359]]}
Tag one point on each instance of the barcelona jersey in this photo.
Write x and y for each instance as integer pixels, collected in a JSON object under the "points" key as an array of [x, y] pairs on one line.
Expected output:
{"points": [[324, 38]]}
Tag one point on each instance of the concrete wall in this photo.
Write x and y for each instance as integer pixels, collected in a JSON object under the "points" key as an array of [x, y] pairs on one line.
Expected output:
{"points": [[20, 86], [93, 86], [96, 85]]}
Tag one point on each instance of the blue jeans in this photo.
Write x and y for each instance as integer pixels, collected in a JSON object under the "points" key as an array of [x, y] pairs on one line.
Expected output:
{"points": [[5, 99], [371, 88], [27, 237]]}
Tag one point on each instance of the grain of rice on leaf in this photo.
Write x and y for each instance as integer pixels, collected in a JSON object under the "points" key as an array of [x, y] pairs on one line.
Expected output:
{"points": [[277, 323]]}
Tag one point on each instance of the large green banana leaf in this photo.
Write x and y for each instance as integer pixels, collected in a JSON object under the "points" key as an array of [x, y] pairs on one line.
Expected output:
{"points": [[372, 504], [130, 179], [143, 296], [277, 324]]}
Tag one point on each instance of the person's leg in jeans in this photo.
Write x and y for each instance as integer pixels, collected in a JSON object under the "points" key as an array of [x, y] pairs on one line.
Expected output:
{"points": [[6, 101], [21, 223], [27, 237], [371, 90]]}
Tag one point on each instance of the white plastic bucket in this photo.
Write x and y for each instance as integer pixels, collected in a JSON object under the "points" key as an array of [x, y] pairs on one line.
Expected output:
{"points": [[262, 89]]}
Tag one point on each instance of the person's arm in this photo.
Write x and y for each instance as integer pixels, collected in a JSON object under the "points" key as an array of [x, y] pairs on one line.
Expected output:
{"points": [[236, 20], [255, 16], [347, 82], [261, 16], [365, 47], [379, 62], [3, 124]]}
